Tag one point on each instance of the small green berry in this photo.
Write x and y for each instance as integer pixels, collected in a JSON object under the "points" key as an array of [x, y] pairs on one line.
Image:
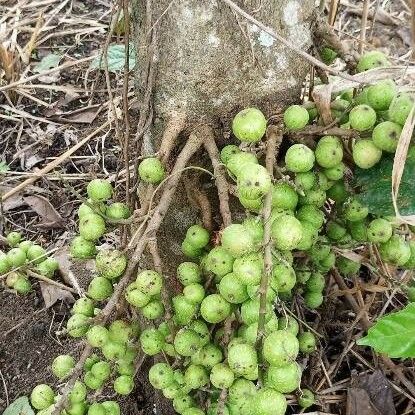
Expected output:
{"points": [[62, 366], [296, 117], [99, 190], [299, 158], [151, 170], [371, 60], [362, 117], [366, 154], [14, 238], [249, 125]]}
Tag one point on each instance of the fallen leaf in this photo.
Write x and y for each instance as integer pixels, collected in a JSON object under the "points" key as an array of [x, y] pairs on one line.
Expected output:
{"points": [[12, 202], [115, 58], [52, 294], [20, 406], [50, 217], [48, 62], [83, 116], [358, 403], [371, 393]]}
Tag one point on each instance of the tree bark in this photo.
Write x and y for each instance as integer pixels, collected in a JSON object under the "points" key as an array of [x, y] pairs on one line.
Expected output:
{"points": [[211, 62]]}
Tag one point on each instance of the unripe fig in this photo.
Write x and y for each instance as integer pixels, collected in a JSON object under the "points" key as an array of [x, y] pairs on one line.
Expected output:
{"points": [[306, 398], [284, 196], [289, 324], [47, 267], [315, 196], [283, 278], [124, 385], [161, 375], [91, 207], [336, 172], [198, 236], [242, 359], [379, 230], [82, 249], [149, 282], [395, 251], [151, 170], [183, 402], [335, 231], [111, 408], [16, 257], [42, 396], [227, 152], [78, 393], [99, 190], [5, 265], [305, 181], [347, 267], [284, 379], [380, 95], [280, 348], [362, 117], [307, 342], [386, 136], [313, 299], [153, 310], [238, 162], [286, 233], [237, 241], [296, 117], [253, 182], [62, 366], [77, 325], [269, 402], [311, 214], [110, 263], [136, 297], [354, 211], [255, 226], [371, 60], [401, 107], [187, 342], [219, 261], [195, 293], [117, 211], [184, 310], [299, 158], [221, 376], [97, 336], [195, 377], [14, 238], [366, 154], [152, 341], [249, 125], [190, 251], [215, 308], [22, 285], [189, 273], [328, 55], [101, 370], [85, 306], [100, 289], [232, 289], [338, 192], [91, 227], [329, 151]]}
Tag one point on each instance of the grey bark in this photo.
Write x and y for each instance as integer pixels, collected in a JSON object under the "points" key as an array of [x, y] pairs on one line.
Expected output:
{"points": [[211, 62]]}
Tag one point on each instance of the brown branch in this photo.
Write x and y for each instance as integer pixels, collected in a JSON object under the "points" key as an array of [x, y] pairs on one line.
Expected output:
{"points": [[50, 281], [274, 138], [221, 182], [165, 297], [285, 42], [320, 131], [192, 145]]}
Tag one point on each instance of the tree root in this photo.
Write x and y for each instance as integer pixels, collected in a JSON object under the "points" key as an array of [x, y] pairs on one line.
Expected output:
{"points": [[193, 144], [221, 182]]}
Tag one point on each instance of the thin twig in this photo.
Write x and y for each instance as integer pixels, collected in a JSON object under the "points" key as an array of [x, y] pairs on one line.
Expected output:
{"points": [[285, 42], [6, 393], [50, 281], [363, 27], [221, 182], [65, 65]]}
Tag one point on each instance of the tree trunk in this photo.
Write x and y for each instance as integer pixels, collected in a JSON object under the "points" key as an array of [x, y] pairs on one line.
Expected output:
{"points": [[211, 62]]}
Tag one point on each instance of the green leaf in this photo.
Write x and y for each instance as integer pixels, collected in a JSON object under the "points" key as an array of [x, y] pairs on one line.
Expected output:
{"points": [[4, 167], [20, 406], [48, 62], [393, 334], [116, 58], [374, 187]]}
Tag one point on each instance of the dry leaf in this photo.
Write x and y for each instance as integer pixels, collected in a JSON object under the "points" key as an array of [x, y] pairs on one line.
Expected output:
{"points": [[82, 116], [12, 202], [399, 162], [51, 294], [358, 403], [50, 217]]}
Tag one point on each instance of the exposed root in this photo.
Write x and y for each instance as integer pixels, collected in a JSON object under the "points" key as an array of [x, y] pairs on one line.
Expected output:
{"points": [[193, 144], [174, 127], [221, 182], [199, 198]]}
